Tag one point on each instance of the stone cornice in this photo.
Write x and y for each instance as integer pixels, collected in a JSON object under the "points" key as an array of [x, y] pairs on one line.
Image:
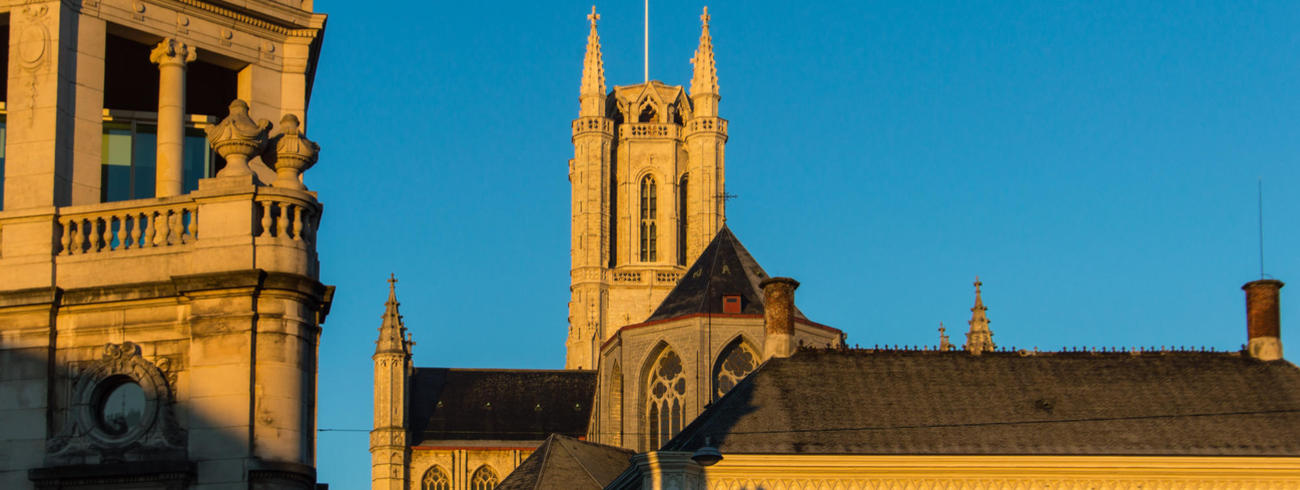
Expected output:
{"points": [[177, 286]]}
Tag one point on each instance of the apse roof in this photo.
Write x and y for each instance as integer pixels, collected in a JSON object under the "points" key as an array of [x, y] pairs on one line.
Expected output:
{"points": [[931, 402], [499, 404], [724, 268], [569, 464]]}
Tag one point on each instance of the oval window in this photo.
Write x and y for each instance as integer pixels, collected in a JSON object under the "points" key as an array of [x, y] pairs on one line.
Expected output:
{"points": [[121, 408]]}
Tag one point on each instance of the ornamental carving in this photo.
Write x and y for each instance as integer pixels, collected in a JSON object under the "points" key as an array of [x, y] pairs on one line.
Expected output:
{"points": [[294, 154], [121, 410], [237, 138]]}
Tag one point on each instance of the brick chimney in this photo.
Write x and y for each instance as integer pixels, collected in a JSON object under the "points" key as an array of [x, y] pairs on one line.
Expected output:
{"points": [[1263, 319], [778, 316]]}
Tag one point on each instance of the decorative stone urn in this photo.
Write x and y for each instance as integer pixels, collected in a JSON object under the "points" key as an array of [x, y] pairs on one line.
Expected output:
{"points": [[294, 154], [237, 138]]}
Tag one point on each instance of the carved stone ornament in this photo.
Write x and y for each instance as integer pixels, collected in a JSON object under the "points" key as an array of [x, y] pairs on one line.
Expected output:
{"points": [[237, 138], [85, 438], [294, 154]]}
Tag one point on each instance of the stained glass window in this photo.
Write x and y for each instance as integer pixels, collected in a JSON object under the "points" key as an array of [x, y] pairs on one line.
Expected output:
{"points": [[435, 479], [735, 362], [665, 396], [484, 479]]}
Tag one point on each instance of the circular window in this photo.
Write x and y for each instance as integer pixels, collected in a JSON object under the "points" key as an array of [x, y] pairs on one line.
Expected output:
{"points": [[121, 408]]}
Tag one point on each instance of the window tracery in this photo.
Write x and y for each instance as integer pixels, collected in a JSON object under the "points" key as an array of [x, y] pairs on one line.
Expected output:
{"points": [[649, 213], [435, 479], [735, 362], [666, 399], [484, 479]]}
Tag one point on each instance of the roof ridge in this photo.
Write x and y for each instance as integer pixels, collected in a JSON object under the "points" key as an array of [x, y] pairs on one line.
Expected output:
{"points": [[546, 456], [581, 464]]}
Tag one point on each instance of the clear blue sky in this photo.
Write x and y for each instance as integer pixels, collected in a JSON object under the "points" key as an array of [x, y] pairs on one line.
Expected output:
{"points": [[1094, 162]]}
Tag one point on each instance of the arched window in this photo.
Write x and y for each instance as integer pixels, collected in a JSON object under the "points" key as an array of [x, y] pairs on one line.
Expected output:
{"points": [[484, 479], [649, 211], [735, 362], [435, 479], [682, 217], [615, 399], [665, 399]]}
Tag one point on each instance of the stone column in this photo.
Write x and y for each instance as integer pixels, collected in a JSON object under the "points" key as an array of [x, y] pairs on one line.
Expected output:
{"points": [[171, 56]]}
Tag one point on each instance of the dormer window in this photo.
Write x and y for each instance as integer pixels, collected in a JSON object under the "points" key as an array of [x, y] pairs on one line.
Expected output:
{"points": [[731, 303]]}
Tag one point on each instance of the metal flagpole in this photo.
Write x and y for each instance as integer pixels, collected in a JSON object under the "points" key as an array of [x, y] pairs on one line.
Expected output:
{"points": [[647, 41]]}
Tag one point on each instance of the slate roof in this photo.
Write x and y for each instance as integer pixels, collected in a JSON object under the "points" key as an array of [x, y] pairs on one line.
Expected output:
{"points": [[499, 404], [930, 402], [724, 268], [565, 463]]}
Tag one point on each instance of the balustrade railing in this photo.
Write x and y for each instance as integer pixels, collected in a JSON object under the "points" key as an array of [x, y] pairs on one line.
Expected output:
{"points": [[708, 124], [667, 276], [127, 229], [285, 219], [649, 130], [627, 277], [592, 124]]}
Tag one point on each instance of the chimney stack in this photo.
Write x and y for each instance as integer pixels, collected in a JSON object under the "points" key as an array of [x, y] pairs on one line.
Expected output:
{"points": [[1263, 319], [778, 316]]}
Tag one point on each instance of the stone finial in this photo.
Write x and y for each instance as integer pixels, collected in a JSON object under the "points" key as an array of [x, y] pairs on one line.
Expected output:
{"points": [[237, 138], [392, 332], [944, 344], [705, 78], [980, 338], [593, 66], [172, 52], [294, 153]]}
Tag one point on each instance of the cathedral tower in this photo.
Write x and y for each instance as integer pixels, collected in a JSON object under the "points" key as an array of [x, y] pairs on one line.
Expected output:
{"points": [[647, 179]]}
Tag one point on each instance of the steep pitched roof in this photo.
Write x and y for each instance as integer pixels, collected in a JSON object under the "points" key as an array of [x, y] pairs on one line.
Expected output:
{"points": [[499, 404], [871, 402], [565, 463], [724, 268]]}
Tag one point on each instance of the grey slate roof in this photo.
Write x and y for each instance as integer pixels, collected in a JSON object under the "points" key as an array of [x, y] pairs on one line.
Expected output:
{"points": [[566, 463], [929, 402], [499, 404], [724, 268]]}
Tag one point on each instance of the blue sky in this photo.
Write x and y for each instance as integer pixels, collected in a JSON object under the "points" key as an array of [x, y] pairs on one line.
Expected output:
{"points": [[1095, 163]]}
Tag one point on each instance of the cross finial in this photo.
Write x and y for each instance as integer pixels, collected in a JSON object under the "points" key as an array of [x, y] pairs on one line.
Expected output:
{"points": [[978, 284], [593, 16], [392, 280], [941, 329], [705, 16]]}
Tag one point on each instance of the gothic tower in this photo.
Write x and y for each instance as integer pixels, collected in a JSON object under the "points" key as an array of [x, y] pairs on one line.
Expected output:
{"points": [[648, 180], [389, 453]]}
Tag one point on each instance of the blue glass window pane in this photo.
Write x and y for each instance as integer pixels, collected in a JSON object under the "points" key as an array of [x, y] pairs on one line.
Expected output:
{"points": [[197, 160], [144, 156]]}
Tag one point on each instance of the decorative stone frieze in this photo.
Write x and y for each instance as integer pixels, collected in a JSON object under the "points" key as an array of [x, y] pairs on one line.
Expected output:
{"points": [[91, 435], [237, 138], [294, 154]]}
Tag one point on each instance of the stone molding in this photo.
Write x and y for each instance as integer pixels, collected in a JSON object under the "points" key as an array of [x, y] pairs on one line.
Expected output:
{"points": [[162, 474], [157, 435], [177, 286]]}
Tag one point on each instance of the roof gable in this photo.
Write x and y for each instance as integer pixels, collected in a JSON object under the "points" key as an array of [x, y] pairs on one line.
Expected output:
{"points": [[724, 268], [567, 463]]}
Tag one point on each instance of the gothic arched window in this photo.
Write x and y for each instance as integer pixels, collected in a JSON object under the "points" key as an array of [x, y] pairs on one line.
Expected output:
{"points": [[484, 479], [649, 211], [615, 400], [681, 220], [665, 399], [735, 362], [435, 479]]}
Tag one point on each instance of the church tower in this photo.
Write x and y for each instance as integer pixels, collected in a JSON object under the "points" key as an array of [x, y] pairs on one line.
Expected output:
{"points": [[647, 179], [389, 454]]}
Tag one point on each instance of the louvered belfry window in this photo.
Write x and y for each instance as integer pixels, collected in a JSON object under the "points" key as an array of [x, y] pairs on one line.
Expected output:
{"points": [[649, 212]]}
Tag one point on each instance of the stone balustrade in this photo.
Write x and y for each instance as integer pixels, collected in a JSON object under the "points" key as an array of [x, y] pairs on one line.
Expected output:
{"points": [[707, 124], [584, 124], [649, 130], [285, 219], [131, 225], [656, 277]]}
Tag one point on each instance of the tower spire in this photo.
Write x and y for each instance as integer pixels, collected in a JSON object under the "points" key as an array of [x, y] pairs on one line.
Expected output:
{"points": [[392, 332], [980, 338], [593, 67], [705, 78]]}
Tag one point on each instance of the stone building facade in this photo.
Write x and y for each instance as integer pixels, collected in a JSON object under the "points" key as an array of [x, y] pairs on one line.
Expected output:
{"points": [[648, 181], [161, 307]]}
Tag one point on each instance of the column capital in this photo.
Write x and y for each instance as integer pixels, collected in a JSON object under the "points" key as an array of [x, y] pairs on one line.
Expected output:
{"points": [[172, 52]]}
